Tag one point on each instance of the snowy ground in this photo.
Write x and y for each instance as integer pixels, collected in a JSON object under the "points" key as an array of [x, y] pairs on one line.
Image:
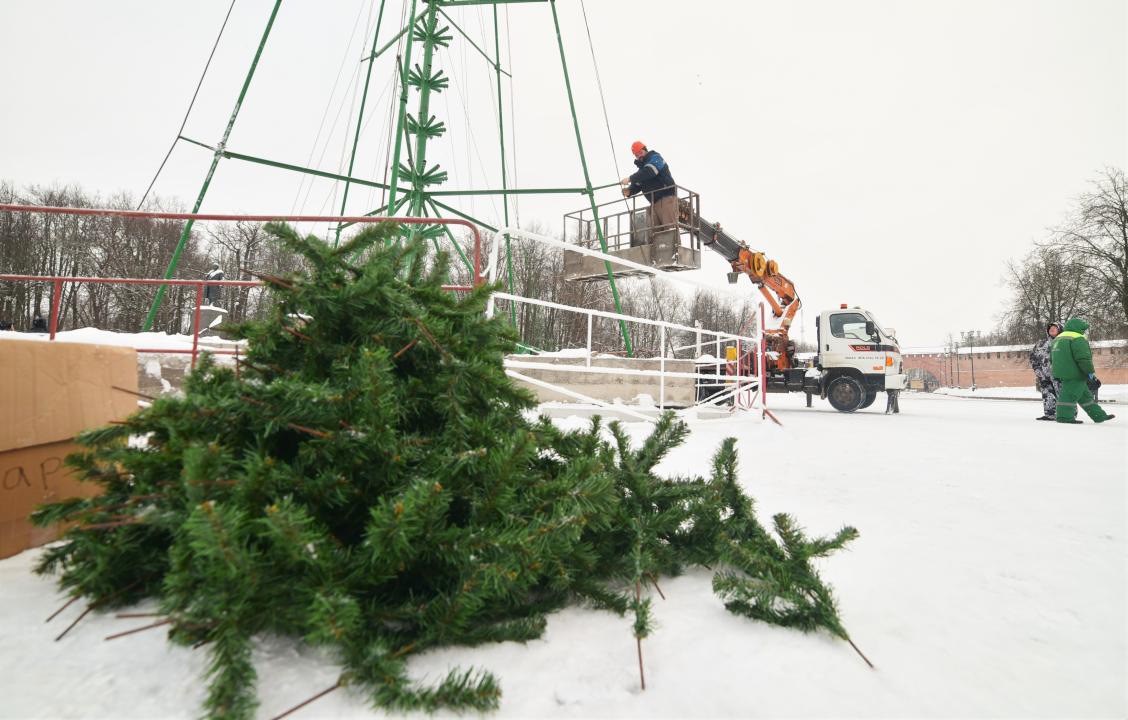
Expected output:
{"points": [[1108, 393], [146, 340], [988, 581]]}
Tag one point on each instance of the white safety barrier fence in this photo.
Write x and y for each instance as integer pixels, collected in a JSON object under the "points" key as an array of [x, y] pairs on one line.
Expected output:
{"points": [[745, 390]]}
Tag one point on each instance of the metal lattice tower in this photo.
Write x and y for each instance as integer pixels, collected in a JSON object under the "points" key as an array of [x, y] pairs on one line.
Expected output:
{"points": [[414, 188]]}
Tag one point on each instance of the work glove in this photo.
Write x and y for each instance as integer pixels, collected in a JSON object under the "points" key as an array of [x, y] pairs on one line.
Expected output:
{"points": [[1094, 382]]}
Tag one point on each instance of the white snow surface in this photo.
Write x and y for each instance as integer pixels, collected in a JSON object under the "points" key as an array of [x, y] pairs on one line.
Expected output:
{"points": [[141, 340], [153, 368], [573, 353], [988, 581], [1112, 393]]}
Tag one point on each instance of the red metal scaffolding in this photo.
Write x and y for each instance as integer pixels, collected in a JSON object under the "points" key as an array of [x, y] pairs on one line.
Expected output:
{"points": [[57, 281]]}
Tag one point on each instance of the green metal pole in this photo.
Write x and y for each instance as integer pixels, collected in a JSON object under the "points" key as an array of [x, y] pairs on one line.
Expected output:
{"points": [[450, 236], [470, 40], [587, 180], [393, 184], [227, 154], [377, 53], [520, 191], [232, 155], [456, 3], [504, 180], [423, 113], [211, 171], [464, 216], [434, 238], [382, 208], [394, 208], [359, 120]]}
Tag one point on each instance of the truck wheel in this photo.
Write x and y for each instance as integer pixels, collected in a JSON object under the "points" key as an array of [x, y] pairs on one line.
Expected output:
{"points": [[845, 393], [870, 397]]}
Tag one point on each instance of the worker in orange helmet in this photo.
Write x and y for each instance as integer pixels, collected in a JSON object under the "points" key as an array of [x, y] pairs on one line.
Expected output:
{"points": [[653, 180]]}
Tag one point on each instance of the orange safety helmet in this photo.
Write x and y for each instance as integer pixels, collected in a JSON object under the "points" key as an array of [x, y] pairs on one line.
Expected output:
{"points": [[637, 146]]}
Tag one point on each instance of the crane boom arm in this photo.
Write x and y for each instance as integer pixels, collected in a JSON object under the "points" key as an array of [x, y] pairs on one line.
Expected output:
{"points": [[776, 288]]}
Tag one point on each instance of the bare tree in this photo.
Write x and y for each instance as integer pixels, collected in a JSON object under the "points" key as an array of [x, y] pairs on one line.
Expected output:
{"points": [[1046, 285], [238, 247], [1080, 270], [66, 245], [1097, 239]]}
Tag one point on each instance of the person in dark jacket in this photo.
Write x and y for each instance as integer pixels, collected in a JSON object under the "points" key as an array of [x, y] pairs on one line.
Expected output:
{"points": [[653, 180], [213, 293], [39, 325], [1044, 374], [1072, 362]]}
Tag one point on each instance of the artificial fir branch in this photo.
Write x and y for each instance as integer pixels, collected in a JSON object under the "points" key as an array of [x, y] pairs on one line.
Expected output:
{"points": [[437, 514], [273, 280], [89, 609], [127, 391], [136, 615], [150, 626], [639, 633], [404, 349], [94, 606], [110, 525], [295, 333], [430, 336], [66, 605], [317, 696]]}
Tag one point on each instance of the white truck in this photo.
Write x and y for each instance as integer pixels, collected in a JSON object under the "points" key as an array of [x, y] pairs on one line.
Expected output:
{"points": [[856, 360]]}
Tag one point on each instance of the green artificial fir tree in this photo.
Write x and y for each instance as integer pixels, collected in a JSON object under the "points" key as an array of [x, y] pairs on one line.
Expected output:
{"points": [[366, 479]]}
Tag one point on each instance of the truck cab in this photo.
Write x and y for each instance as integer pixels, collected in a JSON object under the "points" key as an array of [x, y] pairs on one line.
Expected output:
{"points": [[857, 359]]}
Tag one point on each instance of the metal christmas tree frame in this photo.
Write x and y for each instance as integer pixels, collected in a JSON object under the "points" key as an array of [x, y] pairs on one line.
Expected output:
{"points": [[413, 186]]}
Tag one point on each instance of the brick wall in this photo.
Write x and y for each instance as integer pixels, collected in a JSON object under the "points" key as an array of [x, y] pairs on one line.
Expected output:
{"points": [[1009, 366]]}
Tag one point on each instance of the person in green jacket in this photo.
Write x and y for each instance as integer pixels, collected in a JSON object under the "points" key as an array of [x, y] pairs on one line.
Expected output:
{"points": [[1072, 362]]}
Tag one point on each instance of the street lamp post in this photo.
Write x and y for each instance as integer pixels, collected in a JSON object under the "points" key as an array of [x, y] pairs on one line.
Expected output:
{"points": [[969, 337], [956, 351], [951, 372]]}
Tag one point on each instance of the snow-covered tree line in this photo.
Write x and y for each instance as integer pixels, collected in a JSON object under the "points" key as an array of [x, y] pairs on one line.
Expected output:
{"points": [[76, 246], [1079, 268]]}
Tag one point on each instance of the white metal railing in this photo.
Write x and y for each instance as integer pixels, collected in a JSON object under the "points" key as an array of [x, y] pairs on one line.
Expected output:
{"points": [[746, 390]]}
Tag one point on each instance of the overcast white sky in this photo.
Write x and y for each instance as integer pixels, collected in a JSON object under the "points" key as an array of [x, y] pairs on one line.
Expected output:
{"points": [[888, 153]]}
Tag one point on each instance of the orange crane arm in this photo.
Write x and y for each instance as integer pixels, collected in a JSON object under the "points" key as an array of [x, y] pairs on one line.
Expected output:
{"points": [[780, 294], [764, 274]]}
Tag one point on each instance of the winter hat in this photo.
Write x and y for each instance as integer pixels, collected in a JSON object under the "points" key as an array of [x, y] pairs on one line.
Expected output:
{"points": [[1055, 323], [638, 146], [1077, 325]]}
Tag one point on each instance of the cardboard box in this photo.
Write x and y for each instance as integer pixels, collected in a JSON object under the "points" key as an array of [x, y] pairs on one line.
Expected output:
{"points": [[50, 392]]}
